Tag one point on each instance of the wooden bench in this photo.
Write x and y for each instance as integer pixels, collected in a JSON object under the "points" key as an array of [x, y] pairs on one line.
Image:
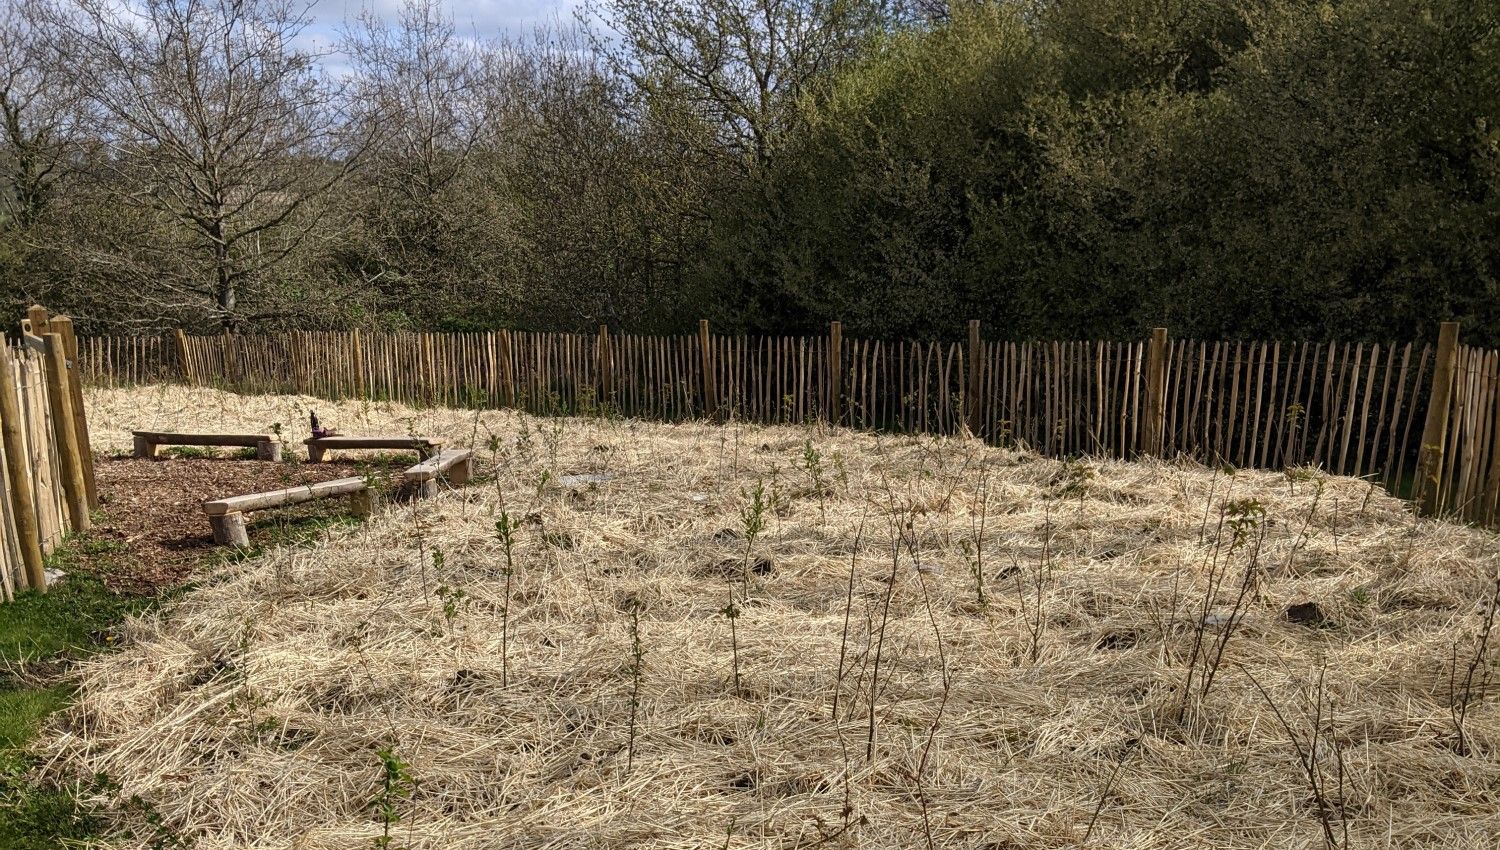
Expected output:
{"points": [[227, 516], [421, 481], [266, 446], [425, 447]]}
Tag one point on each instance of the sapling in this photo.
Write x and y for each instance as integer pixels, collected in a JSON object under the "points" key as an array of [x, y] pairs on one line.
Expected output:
{"points": [[396, 784], [1242, 516], [838, 686], [450, 596], [1312, 760], [505, 530], [753, 519], [494, 446], [812, 463], [633, 606], [974, 546], [1471, 686]]}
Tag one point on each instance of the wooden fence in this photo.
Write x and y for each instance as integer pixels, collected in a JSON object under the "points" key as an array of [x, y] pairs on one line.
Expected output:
{"points": [[45, 463], [1353, 408]]}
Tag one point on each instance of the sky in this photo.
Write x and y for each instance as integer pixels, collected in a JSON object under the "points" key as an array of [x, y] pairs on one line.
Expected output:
{"points": [[485, 18]]}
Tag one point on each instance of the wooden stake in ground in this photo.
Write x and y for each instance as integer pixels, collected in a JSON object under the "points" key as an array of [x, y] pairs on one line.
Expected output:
{"points": [[710, 403], [64, 326], [971, 392], [69, 452], [1156, 396], [1429, 495], [835, 370], [23, 505]]}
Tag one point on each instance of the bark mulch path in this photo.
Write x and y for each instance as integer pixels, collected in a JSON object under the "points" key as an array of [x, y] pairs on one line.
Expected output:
{"points": [[152, 508]]}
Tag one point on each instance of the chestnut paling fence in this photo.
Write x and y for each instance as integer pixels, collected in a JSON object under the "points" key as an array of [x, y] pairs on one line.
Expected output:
{"points": [[1421, 419], [45, 464]]}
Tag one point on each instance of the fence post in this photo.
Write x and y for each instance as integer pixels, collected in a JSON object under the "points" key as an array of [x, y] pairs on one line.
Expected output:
{"points": [[17, 465], [971, 392], [710, 404], [182, 355], [37, 323], [1428, 494], [835, 371], [507, 368], [1156, 395], [606, 365], [360, 388], [60, 400], [64, 327]]}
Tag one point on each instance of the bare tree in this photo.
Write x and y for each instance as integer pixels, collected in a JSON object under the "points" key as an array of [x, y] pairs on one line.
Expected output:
{"points": [[417, 81], [740, 65], [428, 220], [219, 129], [39, 109]]}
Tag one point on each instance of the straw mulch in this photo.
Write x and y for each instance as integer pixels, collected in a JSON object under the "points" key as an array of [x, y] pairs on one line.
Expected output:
{"points": [[1049, 713]]}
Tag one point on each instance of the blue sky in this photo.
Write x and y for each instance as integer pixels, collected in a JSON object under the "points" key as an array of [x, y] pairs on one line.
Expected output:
{"points": [[485, 18]]}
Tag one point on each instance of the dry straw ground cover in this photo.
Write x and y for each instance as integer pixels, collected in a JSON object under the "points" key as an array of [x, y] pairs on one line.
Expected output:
{"points": [[937, 644]]}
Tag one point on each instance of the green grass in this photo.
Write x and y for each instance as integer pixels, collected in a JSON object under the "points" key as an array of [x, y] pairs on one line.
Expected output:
{"points": [[40, 634], [292, 526], [188, 452]]}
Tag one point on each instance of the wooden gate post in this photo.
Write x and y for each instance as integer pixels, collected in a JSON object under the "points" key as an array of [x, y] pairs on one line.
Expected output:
{"points": [[60, 400], [64, 326], [1428, 494], [1156, 392], [710, 403], [23, 505], [835, 371], [971, 392]]}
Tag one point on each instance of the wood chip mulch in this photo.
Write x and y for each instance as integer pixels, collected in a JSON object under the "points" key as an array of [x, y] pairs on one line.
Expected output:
{"points": [[153, 508]]}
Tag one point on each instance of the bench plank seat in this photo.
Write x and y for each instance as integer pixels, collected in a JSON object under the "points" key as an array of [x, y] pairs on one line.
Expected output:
{"points": [[227, 516], [266, 446], [421, 481], [288, 496], [440, 463], [317, 447]]}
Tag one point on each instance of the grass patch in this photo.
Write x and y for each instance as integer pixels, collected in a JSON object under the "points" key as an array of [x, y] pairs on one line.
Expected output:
{"points": [[40, 633], [188, 452], [294, 525]]}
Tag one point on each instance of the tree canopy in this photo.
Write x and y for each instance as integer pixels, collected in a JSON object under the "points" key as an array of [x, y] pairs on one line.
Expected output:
{"points": [[1056, 168]]}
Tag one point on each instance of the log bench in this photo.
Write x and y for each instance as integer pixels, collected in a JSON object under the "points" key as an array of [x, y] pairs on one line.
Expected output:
{"points": [[421, 481], [227, 516], [266, 446], [425, 447]]}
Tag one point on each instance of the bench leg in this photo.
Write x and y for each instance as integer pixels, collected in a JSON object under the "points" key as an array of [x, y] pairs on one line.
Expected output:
{"points": [[461, 472], [144, 448], [230, 529], [315, 454], [362, 503], [268, 450]]}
